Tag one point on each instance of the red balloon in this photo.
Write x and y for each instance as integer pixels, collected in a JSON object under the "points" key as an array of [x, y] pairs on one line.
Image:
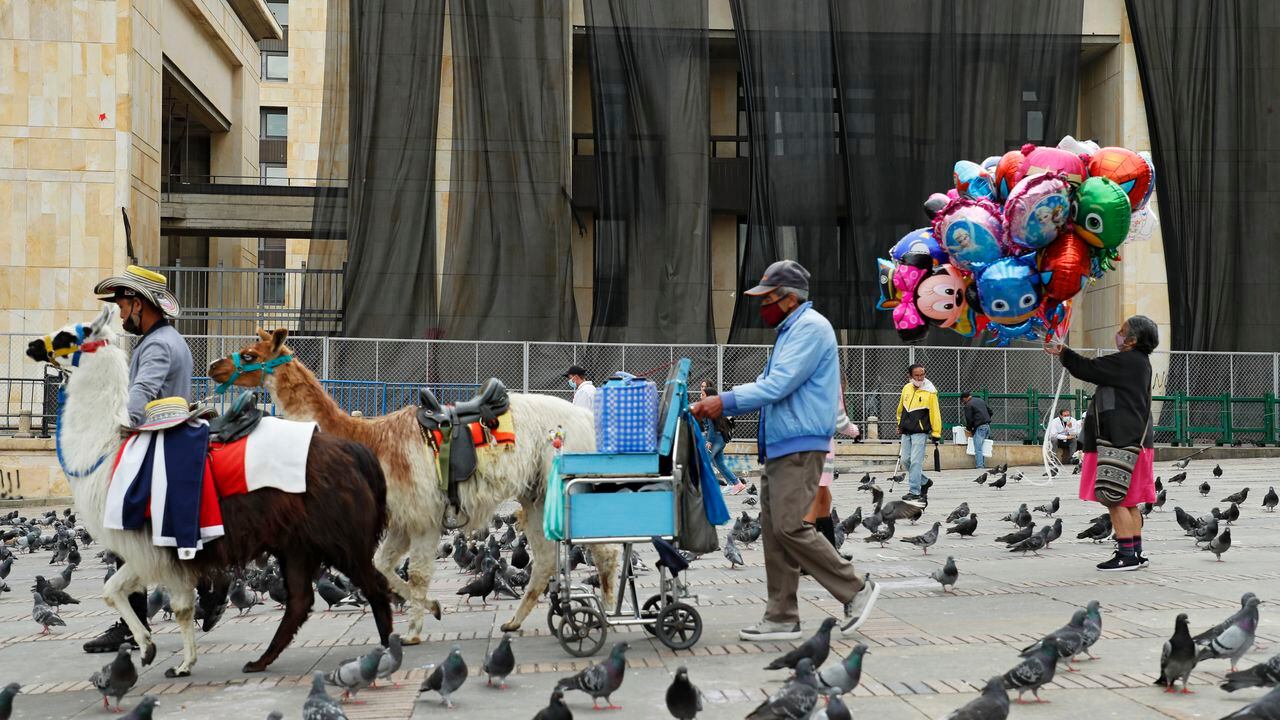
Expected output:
{"points": [[1064, 267], [1126, 168], [1008, 172]]}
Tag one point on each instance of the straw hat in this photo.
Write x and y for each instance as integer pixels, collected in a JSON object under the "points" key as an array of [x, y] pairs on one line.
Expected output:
{"points": [[167, 412], [143, 283]]}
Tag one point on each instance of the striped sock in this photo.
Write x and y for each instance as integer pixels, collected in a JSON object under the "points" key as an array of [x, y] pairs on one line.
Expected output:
{"points": [[1127, 547], [1137, 544]]}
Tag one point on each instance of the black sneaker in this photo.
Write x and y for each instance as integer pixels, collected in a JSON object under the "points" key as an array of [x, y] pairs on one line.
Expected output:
{"points": [[111, 640], [1143, 561], [924, 489], [910, 497], [1120, 563]]}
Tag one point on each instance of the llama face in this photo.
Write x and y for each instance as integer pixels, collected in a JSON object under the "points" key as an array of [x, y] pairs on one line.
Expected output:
{"points": [[269, 347], [75, 337]]}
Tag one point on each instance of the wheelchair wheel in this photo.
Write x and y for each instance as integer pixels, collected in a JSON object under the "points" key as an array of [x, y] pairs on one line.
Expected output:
{"points": [[583, 631], [652, 607], [679, 626], [556, 611]]}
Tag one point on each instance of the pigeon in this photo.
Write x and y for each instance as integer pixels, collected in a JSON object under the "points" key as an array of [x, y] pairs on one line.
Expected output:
{"points": [[1015, 516], [1055, 532], [851, 523], [1000, 482], [1238, 497], [482, 586], [319, 706], [6, 699], [1161, 497], [1270, 500], [750, 502], [1092, 627], [555, 709], [1207, 531], [1096, 532], [965, 526], [981, 479], [732, 554], [447, 677], [63, 579], [1182, 464], [835, 710], [815, 649], [44, 615], [330, 592], [1178, 658], [881, 536], [1050, 507], [1221, 627], [116, 677], [1017, 477], [962, 511], [1217, 471], [1236, 639], [520, 555], [1035, 670], [844, 676], [1205, 489], [499, 663], [1033, 544], [899, 510], [357, 673], [1016, 536], [1069, 639], [54, 597], [684, 701], [873, 521], [947, 574], [601, 680], [992, 704], [157, 601], [1265, 674], [751, 490], [1220, 544], [1266, 707], [144, 709], [6, 567], [1178, 479], [796, 700], [242, 597], [923, 541]]}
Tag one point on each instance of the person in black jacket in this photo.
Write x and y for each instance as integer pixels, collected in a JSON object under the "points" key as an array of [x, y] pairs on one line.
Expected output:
{"points": [[718, 432], [977, 423], [1120, 414]]}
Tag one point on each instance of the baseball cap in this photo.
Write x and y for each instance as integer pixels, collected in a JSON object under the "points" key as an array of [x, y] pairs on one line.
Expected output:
{"points": [[784, 273], [576, 370]]}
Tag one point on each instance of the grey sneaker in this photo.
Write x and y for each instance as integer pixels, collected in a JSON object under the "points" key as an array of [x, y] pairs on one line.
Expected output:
{"points": [[766, 630], [858, 609]]}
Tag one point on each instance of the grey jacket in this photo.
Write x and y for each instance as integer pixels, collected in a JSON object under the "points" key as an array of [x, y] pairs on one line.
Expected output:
{"points": [[159, 367]]}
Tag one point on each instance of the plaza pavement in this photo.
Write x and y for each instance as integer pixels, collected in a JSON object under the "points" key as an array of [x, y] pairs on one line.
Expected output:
{"points": [[929, 650]]}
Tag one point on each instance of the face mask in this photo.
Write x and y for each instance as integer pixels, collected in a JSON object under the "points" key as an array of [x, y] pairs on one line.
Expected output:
{"points": [[572, 385], [772, 314], [917, 383], [133, 323], [1120, 338]]}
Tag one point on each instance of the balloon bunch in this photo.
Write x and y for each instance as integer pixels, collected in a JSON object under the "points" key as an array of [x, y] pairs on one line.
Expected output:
{"points": [[1014, 241]]}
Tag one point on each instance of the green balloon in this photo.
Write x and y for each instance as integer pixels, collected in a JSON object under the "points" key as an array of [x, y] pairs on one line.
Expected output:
{"points": [[1102, 213]]}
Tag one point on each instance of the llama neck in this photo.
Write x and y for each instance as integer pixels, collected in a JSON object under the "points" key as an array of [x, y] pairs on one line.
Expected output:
{"points": [[295, 389], [97, 395]]}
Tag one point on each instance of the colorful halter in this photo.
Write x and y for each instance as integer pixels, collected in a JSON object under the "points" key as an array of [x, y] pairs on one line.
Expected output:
{"points": [[267, 368]]}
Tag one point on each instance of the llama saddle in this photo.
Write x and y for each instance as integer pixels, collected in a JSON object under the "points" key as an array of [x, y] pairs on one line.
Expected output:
{"points": [[481, 421], [175, 478]]}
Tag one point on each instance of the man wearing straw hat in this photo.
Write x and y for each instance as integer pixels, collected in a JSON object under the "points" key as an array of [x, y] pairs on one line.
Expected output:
{"points": [[159, 367]]}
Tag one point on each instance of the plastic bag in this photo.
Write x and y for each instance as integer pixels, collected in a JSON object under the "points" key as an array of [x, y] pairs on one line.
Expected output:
{"points": [[553, 504], [716, 511]]}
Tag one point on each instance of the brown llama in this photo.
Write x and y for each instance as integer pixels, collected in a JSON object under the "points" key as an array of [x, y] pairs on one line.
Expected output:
{"points": [[415, 502], [338, 521]]}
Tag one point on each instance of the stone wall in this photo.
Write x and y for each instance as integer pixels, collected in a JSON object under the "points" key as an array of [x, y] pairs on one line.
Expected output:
{"points": [[29, 468]]}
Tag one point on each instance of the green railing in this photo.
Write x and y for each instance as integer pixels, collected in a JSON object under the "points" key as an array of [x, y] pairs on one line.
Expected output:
{"points": [[1227, 427]]}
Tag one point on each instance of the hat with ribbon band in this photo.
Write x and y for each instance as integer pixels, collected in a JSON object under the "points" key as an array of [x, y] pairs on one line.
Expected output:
{"points": [[167, 412], [140, 283]]}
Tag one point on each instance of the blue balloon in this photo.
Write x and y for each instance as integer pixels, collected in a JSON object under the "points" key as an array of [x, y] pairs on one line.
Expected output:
{"points": [[1009, 290], [919, 241]]}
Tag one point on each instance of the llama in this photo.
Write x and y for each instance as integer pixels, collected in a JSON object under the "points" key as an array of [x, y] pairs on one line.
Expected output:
{"points": [[338, 521], [415, 502]]}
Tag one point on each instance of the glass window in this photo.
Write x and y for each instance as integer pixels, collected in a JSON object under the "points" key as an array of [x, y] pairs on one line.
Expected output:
{"points": [[271, 285], [274, 174], [275, 65], [280, 9], [275, 122]]}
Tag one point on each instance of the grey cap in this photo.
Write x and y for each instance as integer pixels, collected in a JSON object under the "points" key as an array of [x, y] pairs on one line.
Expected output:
{"points": [[784, 273]]}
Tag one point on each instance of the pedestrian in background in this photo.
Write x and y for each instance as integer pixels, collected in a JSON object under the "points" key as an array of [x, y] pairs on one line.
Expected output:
{"points": [[820, 514], [717, 433], [797, 396], [1119, 416], [584, 391], [977, 424], [919, 420], [1063, 431]]}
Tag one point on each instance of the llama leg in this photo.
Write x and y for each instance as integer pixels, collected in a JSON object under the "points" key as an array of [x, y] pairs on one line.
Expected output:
{"points": [[115, 593], [606, 560], [297, 579], [542, 554], [374, 586], [422, 562], [393, 548], [183, 603]]}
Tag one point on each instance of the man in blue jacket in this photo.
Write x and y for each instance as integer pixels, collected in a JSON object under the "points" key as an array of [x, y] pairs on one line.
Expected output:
{"points": [[798, 397]]}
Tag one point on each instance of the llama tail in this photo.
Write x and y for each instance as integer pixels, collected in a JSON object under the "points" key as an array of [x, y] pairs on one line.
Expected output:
{"points": [[371, 470]]}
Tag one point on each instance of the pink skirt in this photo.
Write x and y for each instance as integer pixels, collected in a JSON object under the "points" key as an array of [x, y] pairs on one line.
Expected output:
{"points": [[829, 466], [1142, 486]]}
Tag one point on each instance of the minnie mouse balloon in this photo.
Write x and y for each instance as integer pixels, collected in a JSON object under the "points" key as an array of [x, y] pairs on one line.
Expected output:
{"points": [[918, 242], [907, 277], [940, 297], [970, 231], [1037, 208], [1125, 168], [1051, 159], [1102, 213], [973, 181]]}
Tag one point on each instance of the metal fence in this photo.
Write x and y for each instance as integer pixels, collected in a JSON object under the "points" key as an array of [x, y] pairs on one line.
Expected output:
{"points": [[1208, 384], [225, 300]]}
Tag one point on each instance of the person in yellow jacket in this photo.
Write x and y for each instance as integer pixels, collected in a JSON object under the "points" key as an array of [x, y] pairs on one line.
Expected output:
{"points": [[919, 419]]}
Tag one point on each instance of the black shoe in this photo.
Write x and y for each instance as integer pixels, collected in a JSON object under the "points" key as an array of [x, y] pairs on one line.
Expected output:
{"points": [[924, 489], [910, 497], [1120, 563], [111, 640], [1143, 561]]}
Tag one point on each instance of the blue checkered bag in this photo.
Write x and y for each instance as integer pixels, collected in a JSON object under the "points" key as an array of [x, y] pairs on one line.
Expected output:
{"points": [[626, 410]]}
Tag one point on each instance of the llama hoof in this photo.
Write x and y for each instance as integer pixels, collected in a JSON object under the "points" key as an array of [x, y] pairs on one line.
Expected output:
{"points": [[176, 673], [411, 640], [255, 666], [435, 609], [149, 654], [511, 626]]}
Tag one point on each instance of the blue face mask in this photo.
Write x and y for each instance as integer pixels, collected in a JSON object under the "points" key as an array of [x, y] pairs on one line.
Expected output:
{"points": [[572, 385]]}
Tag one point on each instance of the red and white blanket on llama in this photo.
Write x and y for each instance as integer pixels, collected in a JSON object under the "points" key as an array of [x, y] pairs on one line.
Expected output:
{"points": [[175, 477]]}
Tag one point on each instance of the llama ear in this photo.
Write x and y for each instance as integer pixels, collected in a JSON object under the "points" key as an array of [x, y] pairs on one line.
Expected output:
{"points": [[104, 319], [263, 334], [278, 338]]}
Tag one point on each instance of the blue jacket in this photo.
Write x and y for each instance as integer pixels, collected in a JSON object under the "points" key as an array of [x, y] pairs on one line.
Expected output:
{"points": [[798, 394]]}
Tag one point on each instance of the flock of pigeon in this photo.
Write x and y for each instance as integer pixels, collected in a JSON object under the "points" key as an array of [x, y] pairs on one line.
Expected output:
{"points": [[497, 558]]}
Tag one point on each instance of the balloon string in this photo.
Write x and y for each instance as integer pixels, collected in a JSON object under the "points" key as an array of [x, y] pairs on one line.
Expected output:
{"points": [[1050, 458]]}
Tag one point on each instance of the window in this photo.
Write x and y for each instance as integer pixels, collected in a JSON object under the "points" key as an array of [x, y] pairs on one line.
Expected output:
{"points": [[271, 284], [275, 123], [280, 10], [274, 173], [275, 65]]}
